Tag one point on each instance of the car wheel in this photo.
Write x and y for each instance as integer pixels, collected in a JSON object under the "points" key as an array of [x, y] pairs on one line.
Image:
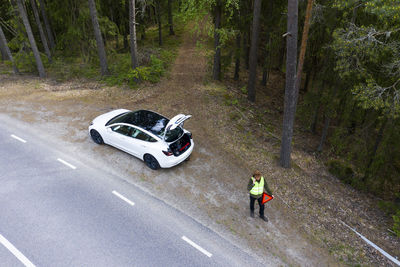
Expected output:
{"points": [[151, 162], [96, 137]]}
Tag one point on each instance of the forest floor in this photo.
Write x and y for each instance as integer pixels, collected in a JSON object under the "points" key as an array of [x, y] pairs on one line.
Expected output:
{"points": [[232, 138]]}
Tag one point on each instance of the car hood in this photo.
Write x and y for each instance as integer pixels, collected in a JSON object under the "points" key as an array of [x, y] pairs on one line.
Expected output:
{"points": [[104, 118]]}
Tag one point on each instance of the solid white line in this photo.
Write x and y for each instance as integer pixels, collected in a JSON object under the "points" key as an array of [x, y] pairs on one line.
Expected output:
{"points": [[18, 138], [66, 163], [384, 253], [123, 198], [16, 252], [202, 250]]}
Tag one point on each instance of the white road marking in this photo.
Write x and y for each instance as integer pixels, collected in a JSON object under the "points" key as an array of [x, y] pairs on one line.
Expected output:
{"points": [[384, 253], [16, 252], [18, 138], [66, 163], [202, 250], [123, 198]]}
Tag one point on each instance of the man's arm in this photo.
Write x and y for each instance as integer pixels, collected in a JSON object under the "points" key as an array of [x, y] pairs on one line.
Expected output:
{"points": [[266, 188], [250, 185]]}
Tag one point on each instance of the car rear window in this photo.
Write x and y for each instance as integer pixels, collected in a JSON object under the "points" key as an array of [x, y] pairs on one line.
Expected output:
{"points": [[174, 134]]}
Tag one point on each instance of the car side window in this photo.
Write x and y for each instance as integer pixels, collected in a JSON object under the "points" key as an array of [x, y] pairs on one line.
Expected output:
{"points": [[122, 129], [138, 134]]}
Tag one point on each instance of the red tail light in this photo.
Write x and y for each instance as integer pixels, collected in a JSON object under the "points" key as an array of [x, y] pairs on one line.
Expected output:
{"points": [[167, 153]]}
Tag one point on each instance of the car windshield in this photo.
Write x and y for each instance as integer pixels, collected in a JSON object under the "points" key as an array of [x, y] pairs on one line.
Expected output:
{"points": [[150, 121]]}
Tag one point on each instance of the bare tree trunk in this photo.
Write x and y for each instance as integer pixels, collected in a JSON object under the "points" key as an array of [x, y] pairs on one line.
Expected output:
{"points": [[158, 11], [217, 48], [41, 32], [324, 133], [303, 47], [246, 48], [170, 19], [372, 155], [237, 58], [290, 97], [31, 38], [99, 38], [47, 25], [328, 117], [132, 33], [126, 26], [3, 42], [251, 85], [267, 63]]}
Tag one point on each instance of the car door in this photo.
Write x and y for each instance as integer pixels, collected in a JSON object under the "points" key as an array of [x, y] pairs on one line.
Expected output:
{"points": [[143, 143], [120, 138]]}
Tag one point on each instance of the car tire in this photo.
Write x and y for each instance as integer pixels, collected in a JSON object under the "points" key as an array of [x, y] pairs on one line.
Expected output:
{"points": [[151, 162], [96, 137]]}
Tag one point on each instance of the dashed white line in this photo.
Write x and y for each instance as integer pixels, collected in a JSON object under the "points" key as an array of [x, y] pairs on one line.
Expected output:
{"points": [[18, 138], [16, 252], [384, 253], [202, 250], [123, 198], [66, 163]]}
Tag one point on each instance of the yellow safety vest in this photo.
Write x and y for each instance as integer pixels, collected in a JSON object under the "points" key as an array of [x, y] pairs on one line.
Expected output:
{"points": [[258, 187]]}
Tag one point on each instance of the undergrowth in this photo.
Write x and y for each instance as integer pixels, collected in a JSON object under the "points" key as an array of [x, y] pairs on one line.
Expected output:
{"points": [[154, 61]]}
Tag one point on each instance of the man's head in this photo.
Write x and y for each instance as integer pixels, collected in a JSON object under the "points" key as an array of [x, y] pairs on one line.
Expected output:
{"points": [[257, 175]]}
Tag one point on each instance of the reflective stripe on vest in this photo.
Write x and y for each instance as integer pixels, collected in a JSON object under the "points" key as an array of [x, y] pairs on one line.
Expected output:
{"points": [[258, 187]]}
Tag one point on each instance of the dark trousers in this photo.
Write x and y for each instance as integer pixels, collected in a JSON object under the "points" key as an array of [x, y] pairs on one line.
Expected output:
{"points": [[252, 200]]}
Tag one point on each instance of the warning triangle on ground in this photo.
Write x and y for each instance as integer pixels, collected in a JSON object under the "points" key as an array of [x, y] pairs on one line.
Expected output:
{"points": [[266, 198]]}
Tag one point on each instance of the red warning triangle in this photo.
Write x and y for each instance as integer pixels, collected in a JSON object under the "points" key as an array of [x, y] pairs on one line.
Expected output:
{"points": [[266, 198]]}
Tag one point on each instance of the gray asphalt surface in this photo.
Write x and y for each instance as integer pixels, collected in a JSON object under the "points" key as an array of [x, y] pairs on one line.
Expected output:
{"points": [[59, 216]]}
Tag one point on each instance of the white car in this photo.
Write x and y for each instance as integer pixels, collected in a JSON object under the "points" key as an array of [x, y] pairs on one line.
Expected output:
{"points": [[151, 137]]}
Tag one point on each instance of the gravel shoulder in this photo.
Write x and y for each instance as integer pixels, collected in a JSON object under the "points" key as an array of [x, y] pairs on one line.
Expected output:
{"points": [[305, 227]]}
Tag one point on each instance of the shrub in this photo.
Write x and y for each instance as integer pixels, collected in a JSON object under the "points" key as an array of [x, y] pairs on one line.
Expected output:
{"points": [[341, 170], [345, 173], [396, 226]]}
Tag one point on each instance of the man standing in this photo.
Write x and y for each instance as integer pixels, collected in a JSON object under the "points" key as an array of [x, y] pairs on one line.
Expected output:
{"points": [[256, 186]]}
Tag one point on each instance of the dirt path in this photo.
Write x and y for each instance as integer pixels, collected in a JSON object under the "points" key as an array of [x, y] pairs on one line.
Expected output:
{"points": [[211, 187]]}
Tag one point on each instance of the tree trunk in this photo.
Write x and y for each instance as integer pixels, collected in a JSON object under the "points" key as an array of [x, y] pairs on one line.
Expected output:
{"points": [[99, 39], [126, 26], [41, 32], [3, 43], [32, 41], [3, 50], [303, 47], [290, 97], [247, 49], [237, 58], [217, 48], [327, 116], [251, 85], [132, 33], [47, 25], [267, 63], [170, 19], [378, 141], [324, 133], [158, 11]]}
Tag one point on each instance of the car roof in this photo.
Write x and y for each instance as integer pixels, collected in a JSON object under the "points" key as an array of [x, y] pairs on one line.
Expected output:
{"points": [[145, 119]]}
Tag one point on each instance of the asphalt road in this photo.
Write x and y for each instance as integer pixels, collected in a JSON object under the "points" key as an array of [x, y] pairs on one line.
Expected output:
{"points": [[56, 210]]}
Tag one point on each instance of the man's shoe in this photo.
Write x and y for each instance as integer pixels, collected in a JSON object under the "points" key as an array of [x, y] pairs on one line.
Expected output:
{"points": [[265, 219], [252, 214]]}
